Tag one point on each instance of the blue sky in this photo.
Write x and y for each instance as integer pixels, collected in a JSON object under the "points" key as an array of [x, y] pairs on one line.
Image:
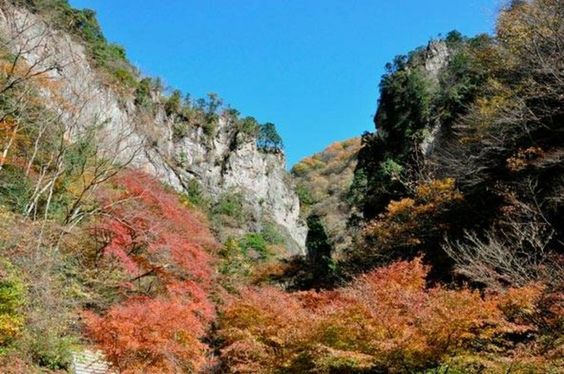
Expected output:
{"points": [[310, 66]]}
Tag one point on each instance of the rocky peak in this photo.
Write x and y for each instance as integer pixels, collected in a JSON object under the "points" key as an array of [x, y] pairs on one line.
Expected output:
{"points": [[436, 57], [224, 162]]}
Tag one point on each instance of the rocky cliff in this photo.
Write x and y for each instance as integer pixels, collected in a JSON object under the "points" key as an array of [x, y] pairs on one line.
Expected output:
{"points": [[226, 161]]}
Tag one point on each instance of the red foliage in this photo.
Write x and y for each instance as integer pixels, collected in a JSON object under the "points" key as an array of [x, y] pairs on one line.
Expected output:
{"points": [[162, 245], [147, 228]]}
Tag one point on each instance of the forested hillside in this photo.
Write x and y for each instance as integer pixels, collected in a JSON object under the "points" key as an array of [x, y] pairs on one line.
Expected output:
{"points": [[322, 182], [457, 261], [156, 230]]}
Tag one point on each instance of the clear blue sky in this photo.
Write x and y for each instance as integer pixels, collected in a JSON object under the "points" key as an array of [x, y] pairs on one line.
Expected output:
{"points": [[310, 66]]}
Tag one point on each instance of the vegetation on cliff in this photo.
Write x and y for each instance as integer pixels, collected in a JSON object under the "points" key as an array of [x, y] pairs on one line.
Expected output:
{"points": [[465, 175], [322, 182], [455, 205]]}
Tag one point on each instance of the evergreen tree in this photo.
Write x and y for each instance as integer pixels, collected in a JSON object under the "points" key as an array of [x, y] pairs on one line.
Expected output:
{"points": [[268, 138], [318, 252]]}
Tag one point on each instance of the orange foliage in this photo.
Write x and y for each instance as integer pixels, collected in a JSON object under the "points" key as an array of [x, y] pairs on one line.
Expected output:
{"points": [[523, 158], [150, 335], [402, 219], [154, 236], [386, 319]]}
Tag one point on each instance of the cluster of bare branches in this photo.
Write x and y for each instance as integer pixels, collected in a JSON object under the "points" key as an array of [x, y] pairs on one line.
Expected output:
{"points": [[518, 250], [41, 127]]}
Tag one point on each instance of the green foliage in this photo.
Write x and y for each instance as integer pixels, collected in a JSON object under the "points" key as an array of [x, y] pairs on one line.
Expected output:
{"points": [[210, 128], [249, 127], [196, 194], [232, 113], [488, 116], [180, 130], [230, 205], [404, 107], [454, 39], [51, 351], [304, 195], [173, 103], [357, 192], [203, 113], [143, 93], [268, 139], [319, 252], [271, 234], [15, 188], [213, 104], [254, 244], [391, 168], [463, 78], [410, 104], [84, 25], [12, 298]]}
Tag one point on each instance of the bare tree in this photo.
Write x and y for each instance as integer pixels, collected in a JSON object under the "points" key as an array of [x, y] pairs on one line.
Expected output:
{"points": [[516, 252], [55, 114]]}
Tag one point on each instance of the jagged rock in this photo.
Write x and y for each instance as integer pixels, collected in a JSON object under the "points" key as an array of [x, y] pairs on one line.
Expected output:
{"points": [[436, 57], [223, 163]]}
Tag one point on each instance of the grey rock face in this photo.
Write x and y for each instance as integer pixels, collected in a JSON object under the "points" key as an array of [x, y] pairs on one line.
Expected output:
{"points": [[436, 57], [225, 162], [229, 162]]}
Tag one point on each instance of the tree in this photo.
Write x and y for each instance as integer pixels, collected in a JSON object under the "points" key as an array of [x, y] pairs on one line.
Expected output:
{"points": [[268, 138], [161, 246], [318, 252], [150, 335], [173, 103], [249, 126]]}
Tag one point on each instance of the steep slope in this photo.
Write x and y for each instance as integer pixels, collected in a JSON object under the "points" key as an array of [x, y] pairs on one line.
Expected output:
{"points": [[222, 161], [457, 261], [458, 265], [323, 181], [466, 162]]}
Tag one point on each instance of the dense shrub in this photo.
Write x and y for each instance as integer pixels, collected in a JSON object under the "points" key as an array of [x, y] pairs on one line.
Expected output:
{"points": [[485, 119], [254, 245], [249, 127], [230, 205], [157, 335], [38, 294], [322, 184], [408, 226], [386, 320]]}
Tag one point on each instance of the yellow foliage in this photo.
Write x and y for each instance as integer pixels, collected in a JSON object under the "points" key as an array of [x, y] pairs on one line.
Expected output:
{"points": [[521, 25], [438, 190], [10, 328], [523, 157], [11, 300], [396, 208]]}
